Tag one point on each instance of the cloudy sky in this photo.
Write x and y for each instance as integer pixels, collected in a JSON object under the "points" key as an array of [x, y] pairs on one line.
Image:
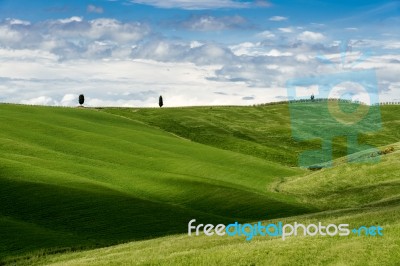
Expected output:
{"points": [[210, 52]]}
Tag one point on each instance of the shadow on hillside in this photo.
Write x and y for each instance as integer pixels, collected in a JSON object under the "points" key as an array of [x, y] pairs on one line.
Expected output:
{"points": [[37, 216]]}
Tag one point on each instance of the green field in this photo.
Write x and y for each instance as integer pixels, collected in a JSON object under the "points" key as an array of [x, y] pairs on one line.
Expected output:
{"points": [[118, 186]]}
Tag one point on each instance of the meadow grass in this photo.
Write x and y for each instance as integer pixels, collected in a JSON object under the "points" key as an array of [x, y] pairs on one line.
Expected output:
{"points": [[298, 250], [92, 179], [349, 184], [260, 131], [77, 179]]}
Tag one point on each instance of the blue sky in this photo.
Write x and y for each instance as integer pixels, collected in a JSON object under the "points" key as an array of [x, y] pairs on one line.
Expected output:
{"points": [[126, 53]]}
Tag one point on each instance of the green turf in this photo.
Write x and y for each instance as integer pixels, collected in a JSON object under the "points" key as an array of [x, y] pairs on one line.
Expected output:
{"points": [[261, 131], [349, 184], [77, 179], [99, 179], [300, 250]]}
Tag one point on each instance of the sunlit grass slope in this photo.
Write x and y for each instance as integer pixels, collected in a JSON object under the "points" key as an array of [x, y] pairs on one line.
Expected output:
{"points": [[350, 184], [74, 178], [77, 178], [364, 195], [260, 131], [202, 250]]}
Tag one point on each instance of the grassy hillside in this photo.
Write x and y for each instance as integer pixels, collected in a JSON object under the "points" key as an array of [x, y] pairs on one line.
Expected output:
{"points": [[262, 131], [300, 250], [77, 179], [349, 184], [360, 199]]}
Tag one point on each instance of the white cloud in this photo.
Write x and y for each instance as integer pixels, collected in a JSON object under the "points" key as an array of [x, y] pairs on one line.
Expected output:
{"points": [[95, 9], [27, 55], [212, 23], [41, 100], [286, 30], [69, 100], [111, 29], [74, 37], [71, 19], [266, 35], [201, 5], [302, 58], [118, 63], [392, 45], [306, 91], [246, 48], [309, 36], [170, 51], [18, 22], [127, 82], [351, 91], [191, 5], [195, 44], [112, 82], [276, 53], [256, 49], [278, 18], [9, 36]]}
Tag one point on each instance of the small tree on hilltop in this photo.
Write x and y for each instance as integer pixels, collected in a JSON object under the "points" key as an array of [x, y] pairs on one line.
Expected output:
{"points": [[312, 97], [160, 101], [81, 99]]}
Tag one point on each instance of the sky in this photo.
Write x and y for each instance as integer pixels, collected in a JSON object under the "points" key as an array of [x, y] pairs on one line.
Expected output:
{"points": [[227, 52]]}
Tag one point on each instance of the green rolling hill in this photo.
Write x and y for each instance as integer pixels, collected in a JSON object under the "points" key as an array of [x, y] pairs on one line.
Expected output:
{"points": [[76, 179], [261, 131]]}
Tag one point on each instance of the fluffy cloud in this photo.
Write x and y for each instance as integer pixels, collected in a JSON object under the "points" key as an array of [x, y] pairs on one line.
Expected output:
{"points": [[309, 36], [169, 51], [256, 49], [118, 63], [95, 9], [211, 23], [394, 45], [278, 18], [118, 83], [286, 30], [266, 35], [201, 5], [41, 100], [73, 37], [8, 36]]}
